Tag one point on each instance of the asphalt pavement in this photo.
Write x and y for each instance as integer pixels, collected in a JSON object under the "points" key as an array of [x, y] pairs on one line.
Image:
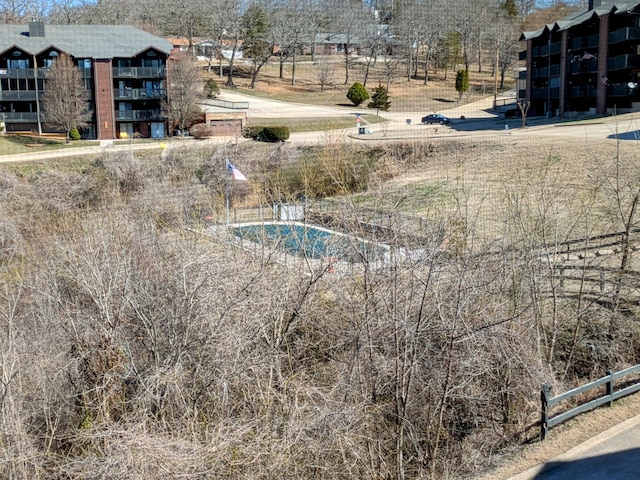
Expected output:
{"points": [[611, 455]]}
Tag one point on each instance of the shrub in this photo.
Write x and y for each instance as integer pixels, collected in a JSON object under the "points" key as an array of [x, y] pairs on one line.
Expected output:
{"points": [[357, 94], [211, 88], [252, 132], [74, 134], [268, 134], [201, 130]]}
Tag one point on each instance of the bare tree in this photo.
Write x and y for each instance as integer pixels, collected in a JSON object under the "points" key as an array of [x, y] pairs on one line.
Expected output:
{"points": [[325, 71], [66, 100], [184, 91]]}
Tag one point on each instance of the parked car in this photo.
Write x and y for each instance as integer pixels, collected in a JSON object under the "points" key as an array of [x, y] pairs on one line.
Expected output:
{"points": [[435, 118]]}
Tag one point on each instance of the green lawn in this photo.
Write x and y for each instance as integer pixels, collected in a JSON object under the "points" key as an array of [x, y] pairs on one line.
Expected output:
{"points": [[13, 144], [312, 124]]}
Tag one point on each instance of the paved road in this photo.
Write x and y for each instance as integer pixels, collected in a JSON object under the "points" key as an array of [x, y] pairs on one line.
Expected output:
{"points": [[612, 455]]}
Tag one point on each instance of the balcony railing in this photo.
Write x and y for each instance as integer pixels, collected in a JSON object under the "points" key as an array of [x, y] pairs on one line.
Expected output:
{"points": [[139, 72], [138, 93], [622, 34], [577, 43], [22, 72], [135, 115], [583, 91], [593, 40], [622, 61], [522, 74], [17, 95], [522, 55], [555, 48], [542, 93], [619, 90], [584, 66], [17, 117]]}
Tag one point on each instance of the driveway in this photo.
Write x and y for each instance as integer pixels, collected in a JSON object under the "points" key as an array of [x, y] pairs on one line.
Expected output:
{"points": [[612, 455]]}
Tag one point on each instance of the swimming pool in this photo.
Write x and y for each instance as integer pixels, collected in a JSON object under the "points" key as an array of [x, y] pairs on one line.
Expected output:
{"points": [[310, 241]]}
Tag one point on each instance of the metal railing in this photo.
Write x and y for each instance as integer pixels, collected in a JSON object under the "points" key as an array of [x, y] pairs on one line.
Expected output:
{"points": [[15, 117], [139, 72], [622, 34], [13, 95], [22, 72], [134, 115], [138, 93], [224, 104], [547, 421]]}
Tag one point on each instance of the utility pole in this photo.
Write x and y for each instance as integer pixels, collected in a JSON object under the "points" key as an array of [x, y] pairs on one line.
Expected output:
{"points": [[495, 79]]}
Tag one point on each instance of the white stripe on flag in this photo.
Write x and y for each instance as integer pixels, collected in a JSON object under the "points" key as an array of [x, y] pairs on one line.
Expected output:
{"points": [[235, 173]]}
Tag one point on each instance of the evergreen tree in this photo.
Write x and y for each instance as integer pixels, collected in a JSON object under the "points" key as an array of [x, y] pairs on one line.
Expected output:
{"points": [[357, 94], [380, 99], [462, 82]]}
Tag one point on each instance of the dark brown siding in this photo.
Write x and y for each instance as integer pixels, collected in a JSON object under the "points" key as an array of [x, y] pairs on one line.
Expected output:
{"points": [[104, 100]]}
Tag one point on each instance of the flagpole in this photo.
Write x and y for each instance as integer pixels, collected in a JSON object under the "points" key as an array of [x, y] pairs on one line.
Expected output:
{"points": [[226, 194]]}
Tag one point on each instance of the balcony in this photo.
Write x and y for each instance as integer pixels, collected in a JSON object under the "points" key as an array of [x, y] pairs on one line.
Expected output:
{"points": [[622, 34], [522, 75], [522, 55], [139, 72], [17, 95], [555, 48], [593, 40], [20, 117], [619, 90], [583, 91], [138, 93], [86, 72], [584, 66], [577, 43], [545, 72], [136, 115], [622, 62], [22, 72], [544, 93]]}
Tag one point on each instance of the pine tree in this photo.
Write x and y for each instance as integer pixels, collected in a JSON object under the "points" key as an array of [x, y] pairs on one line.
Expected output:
{"points": [[380, 99], [462, 83]]}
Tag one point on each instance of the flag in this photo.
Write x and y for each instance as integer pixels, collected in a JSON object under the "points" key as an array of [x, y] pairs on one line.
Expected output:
{"points": [[588, 56], [235, 173]]}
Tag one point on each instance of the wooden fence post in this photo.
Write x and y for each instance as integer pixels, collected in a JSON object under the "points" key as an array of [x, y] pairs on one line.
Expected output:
{"points": [[545, 392]]}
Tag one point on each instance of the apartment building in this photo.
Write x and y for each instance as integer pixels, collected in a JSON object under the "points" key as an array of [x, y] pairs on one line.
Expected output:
{"points": [[124, 70], [586, 62]]}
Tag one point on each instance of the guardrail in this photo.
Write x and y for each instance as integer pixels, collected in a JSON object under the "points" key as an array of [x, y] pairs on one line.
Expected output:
{"points": [[225, 104], [547, 421]]}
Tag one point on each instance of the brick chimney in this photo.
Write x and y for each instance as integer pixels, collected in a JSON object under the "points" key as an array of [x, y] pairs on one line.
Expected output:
{"points": [[36, 29]]}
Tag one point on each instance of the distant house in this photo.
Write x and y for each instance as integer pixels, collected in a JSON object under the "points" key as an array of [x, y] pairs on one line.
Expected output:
{"points": [[333, 43], [124, 70], [203, 48]]}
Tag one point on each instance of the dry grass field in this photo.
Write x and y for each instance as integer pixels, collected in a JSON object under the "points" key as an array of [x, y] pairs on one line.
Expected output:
{"points": [[439, 93]]}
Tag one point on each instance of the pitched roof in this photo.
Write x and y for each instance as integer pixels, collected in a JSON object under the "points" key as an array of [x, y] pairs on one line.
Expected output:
{"points": [[582, 16], [83, 41]]}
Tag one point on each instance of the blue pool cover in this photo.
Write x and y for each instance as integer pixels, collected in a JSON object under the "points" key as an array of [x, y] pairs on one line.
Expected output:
{"points": [[309, 241]]}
